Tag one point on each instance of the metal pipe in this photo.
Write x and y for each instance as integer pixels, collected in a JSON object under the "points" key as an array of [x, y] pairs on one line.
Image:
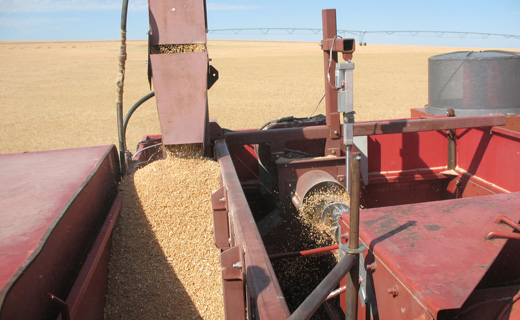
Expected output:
{"points": [[452, 150], [353, 241], [509, 222], [364, 129], [319, 295], [504, 235], [336, 293], [311, 252]]}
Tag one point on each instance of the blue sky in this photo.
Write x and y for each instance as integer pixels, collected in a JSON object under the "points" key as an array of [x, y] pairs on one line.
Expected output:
{"points": [[51, 20]]}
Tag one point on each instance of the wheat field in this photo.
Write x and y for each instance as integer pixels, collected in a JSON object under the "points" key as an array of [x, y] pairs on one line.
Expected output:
{"points": [[62, 94]]}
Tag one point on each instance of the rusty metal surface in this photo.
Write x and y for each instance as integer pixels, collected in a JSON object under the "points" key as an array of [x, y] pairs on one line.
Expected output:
{"points": [[177, 22], [52, 206], [263, 291], [437, 250], [180, 84]]}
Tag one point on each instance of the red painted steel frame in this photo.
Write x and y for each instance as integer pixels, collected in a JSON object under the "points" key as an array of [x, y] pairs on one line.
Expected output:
{"points": [[263, 294], [331, 95], [364, 128]]}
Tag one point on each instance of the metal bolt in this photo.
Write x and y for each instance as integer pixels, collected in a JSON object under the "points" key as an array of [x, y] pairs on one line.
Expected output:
{"points": [[237, 265], [394, 291], [290, 185], [285, 166], [358, 157], [277, 156], [333, 151], [372, 266], [340, 179], [335, 132], [222, 199]]}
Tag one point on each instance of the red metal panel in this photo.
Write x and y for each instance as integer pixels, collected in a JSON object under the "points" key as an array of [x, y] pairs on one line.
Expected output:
{"points": [[52, 204], [245, 162], [407, 151], [177, 22], [180, 82], [493, 157], [86, 299], [437, 250]]}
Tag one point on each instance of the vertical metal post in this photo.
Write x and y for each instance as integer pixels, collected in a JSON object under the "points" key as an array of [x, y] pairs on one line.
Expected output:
{"points": [[331, 95], [452, 162], [353, 239], [346, 106], [452, 151]]}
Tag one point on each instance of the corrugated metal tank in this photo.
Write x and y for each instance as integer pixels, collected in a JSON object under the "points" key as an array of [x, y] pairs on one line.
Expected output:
{"points": [[474, 83]]}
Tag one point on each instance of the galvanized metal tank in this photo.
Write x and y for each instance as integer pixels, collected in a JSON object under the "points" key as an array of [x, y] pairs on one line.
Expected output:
{"points": [[474, 83]]}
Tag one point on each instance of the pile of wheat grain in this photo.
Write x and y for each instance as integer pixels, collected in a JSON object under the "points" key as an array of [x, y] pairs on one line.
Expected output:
{"points": [[164, 264], [314, 203]]}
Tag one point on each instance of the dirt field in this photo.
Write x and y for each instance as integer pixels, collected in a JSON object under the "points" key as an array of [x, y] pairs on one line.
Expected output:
{"points": [[62, 94]]}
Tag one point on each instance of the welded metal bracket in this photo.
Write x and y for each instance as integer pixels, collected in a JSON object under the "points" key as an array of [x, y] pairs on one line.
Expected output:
{"points": [[232, 265], [212, 76], [220, 211]]}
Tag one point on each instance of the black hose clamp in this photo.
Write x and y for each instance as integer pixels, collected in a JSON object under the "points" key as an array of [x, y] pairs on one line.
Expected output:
{"points": [[349, 116]]}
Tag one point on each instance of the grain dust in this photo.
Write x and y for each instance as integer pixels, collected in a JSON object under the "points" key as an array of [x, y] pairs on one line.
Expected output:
{"points": [[314, 203], [164, 264]]}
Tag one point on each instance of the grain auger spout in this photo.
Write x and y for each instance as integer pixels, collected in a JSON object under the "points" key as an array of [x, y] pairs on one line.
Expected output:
{"points": [[180, 71]]}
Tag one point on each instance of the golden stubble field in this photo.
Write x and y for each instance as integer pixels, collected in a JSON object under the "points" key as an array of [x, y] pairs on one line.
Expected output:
{"points": [[62, 94]]}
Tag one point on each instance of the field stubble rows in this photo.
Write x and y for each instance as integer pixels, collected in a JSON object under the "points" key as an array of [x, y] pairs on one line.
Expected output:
{"points": [[62, 94]]}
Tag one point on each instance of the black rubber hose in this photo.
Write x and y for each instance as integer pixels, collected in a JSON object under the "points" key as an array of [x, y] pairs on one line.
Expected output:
{"points": [[124, 12], [120, 86], [132, 110]]}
